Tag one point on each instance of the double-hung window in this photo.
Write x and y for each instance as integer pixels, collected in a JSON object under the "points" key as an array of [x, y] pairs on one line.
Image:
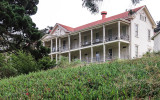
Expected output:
{"points": [[149, 35], [136, 51], [136, 30]]}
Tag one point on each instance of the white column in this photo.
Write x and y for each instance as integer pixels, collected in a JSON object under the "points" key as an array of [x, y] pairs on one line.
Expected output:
{"points": [[119, 30], [43, 43], [56, 58], [79, 39], [51, 45], [91, 36], [91, 54], [59, 43], [69, 42], [51, 57], [69, 54], [104, 33], [80, 56], [56, 45], [119, 50], [104, 52]]}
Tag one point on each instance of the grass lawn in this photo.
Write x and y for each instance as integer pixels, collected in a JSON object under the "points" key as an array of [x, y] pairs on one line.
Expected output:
{"points": [[131, 79]]}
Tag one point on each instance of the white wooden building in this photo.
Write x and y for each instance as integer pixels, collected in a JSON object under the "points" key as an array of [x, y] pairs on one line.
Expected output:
{"points": [[122, 36]]}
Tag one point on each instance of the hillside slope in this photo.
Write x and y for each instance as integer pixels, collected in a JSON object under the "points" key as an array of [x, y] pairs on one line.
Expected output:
{"points": [[132, 79]]}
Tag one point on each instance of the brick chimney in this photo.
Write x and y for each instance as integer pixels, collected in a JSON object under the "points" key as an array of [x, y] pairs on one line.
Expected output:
{"points": [[103, 13]]}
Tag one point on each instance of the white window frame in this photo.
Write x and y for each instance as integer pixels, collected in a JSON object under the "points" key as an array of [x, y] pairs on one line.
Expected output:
{"points": [[136, 30], [149, 35], [136, 51]]}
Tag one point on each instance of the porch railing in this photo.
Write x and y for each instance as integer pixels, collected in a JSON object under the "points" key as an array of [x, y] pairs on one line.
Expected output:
{"points": [[87, 43], [62, 49], [98, 40]]}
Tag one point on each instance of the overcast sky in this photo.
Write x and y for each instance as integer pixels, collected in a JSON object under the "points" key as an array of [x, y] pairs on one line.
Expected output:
{"points": [[71, 12]]}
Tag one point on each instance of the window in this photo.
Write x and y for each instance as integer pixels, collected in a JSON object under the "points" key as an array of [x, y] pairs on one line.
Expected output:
{"points": [[97, 35], [110, 53], [85, 39], [64, 44], [110, 34], [136, 51], [136, 30], [149, 35], [142, 17], [124, 30]]}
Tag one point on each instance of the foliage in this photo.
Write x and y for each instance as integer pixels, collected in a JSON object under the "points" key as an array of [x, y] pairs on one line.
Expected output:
{"points": [[157, 29], [5, 69], [46, 63], [23, 62], [118, 80], [17, 30], [63, 62], [93, 5]]}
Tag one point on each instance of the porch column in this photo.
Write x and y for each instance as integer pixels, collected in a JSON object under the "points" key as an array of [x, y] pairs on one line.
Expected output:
{"points": [[104, 33], [69, 42], [79, 39], [91, 54], [91, 36], [104, 52], [56, 58], [119, 30], [51, 57], [80, 56], [119, 50], [59, 43], [56, 45], [51, 45], [43, 43], [69, 54]]}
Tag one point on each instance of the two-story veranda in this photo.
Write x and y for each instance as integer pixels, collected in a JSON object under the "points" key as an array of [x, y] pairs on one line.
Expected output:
{"points": [[95, 44]]}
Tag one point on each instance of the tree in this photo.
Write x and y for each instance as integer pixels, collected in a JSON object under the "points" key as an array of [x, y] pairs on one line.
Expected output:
{"points": [[17, 30], [157, 29], [93, 7], [16, 27], [46, 30]]}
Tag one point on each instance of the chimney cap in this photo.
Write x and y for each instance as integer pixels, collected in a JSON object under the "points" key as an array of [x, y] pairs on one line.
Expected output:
{"points": [[104, 12]]}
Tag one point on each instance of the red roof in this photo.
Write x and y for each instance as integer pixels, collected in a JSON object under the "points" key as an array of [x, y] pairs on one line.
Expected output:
{"points": [[122, 15]]}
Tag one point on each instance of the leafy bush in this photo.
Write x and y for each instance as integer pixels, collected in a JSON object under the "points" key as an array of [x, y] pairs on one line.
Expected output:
{"points": [[46, 63], [63, 62], [23, 62], [5, 69]]}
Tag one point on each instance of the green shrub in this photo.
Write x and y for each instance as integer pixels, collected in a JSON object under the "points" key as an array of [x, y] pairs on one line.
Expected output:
{"points": [[46, 63], [63, 62], [23, 62], [5, 69]]}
